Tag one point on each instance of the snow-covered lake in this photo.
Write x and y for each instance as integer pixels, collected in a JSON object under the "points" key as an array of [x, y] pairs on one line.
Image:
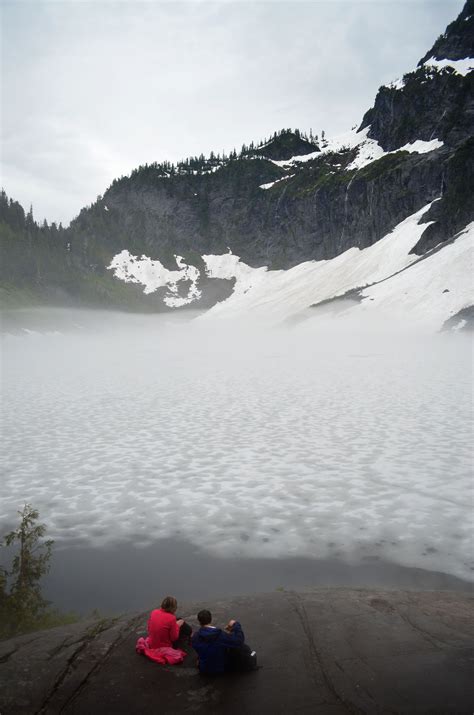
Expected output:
{"points": [[313, 440]]}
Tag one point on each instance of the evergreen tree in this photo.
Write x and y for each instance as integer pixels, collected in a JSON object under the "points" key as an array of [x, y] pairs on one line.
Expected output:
{"points": [[29, 221], [24, 602]]}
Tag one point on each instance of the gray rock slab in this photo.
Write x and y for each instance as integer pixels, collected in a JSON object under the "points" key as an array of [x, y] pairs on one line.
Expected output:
{"points": [[322, 651]]}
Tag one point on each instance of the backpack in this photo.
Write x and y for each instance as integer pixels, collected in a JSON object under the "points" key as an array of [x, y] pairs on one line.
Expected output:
{"points": [[242, 659]]}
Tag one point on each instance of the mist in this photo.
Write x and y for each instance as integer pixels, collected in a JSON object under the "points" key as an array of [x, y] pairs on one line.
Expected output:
{"points": [[323, 439]]}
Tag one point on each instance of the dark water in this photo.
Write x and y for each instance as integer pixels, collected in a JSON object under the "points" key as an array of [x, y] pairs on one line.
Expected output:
{"points": [[126, 578]]}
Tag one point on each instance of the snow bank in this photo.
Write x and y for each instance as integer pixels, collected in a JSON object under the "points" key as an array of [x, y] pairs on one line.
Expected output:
{"points": [[272, 183], [398, 83], [420, 295], [368, 150], [462, 67], [431, 291], [420, 147], [154, 275], [277, 295]]}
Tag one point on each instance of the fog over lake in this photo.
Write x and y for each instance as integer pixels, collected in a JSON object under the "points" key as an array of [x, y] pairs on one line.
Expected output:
{"points": [[319, 439]]}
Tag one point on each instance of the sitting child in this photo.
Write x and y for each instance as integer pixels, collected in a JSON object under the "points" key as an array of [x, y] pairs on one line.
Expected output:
{"points": [[165, 632], [163, 628], [222, 650]]}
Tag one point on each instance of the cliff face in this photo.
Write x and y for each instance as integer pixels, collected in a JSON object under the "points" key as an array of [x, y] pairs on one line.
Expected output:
{"points": [[436, 99], [431, 104], [318, 213], [296, 198], [458, 40]]}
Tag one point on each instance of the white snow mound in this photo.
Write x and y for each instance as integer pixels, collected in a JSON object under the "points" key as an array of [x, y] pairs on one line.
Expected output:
{"points": [[153, 275]]}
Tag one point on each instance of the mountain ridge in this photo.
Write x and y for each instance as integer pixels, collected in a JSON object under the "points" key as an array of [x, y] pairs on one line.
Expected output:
{"points": [[274, 207]]}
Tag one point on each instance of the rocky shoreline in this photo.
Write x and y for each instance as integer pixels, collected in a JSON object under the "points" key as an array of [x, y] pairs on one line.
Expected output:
{"points": [[325, 650]]}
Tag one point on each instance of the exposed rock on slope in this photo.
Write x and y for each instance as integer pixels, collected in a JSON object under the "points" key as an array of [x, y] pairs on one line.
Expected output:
{"points": [[458, 38]]}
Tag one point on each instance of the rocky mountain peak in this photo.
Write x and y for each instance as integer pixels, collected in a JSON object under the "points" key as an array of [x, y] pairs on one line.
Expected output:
{"points": [[457, 42], [434, 100]]}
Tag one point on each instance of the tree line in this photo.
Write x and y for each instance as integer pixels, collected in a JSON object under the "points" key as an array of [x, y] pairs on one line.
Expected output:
{"points": [[202, 164]]}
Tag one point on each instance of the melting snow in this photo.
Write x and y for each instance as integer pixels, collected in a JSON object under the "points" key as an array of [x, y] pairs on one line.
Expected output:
{"points": [[277, 295], [462, 67], [368, 150], [421, 147], [272, 183], [153, 275], [417, 294], [397, 84]]}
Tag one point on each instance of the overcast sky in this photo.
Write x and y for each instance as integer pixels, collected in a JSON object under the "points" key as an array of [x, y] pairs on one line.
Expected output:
{"points": [[92, 89]]}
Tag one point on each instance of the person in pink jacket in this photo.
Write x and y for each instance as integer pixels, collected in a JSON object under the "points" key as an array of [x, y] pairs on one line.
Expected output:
{"points": [[163, 628]]}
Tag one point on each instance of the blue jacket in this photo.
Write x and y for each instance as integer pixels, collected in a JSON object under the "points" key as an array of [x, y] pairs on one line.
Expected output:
{"points": [[211, 645]]}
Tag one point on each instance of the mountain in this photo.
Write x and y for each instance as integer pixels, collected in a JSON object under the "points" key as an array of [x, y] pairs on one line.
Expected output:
{"points": [[288, 200]]}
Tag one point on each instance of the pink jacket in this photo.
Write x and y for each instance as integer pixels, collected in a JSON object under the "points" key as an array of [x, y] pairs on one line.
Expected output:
{"points": [[160, 655], [163, 630]]}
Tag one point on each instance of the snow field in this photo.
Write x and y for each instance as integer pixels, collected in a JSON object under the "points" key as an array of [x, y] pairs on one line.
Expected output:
{"points": [[408, 292], [278, 295], [153, 275], [274, 296]]}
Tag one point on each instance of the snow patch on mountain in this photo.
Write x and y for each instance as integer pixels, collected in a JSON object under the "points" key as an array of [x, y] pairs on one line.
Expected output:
{"points": [[277, 295], [430, 291], [272, 183], [398, 83], [342, 142], [418, 295], [153, 275], [462, 67], [368, 150]]}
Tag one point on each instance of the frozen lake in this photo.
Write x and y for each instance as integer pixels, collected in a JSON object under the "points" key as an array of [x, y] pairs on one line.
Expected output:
{"points": [[311, 441]]}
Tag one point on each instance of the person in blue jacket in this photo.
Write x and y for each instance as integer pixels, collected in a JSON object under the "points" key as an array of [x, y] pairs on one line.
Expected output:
{"points": [[221, 650]]}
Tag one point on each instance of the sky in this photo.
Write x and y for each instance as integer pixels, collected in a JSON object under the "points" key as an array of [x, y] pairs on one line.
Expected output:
{"points": [[90, 90]]}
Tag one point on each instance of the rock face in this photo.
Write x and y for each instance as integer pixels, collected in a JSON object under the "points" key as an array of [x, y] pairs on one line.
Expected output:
{"points": [[458, 40], [294, 198], [322, 650], [430, 102], [315, 214]]}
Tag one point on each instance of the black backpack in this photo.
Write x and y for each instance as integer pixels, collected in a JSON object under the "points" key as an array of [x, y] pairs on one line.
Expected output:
{"points": [[242, 659]]}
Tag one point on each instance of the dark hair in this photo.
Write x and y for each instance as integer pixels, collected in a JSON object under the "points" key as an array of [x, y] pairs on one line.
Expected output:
{"points": [[204, 617], [169, 604]]}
